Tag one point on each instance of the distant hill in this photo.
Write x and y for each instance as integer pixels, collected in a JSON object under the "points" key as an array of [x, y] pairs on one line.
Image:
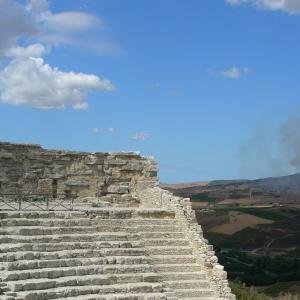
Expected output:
{"points": [[224, 182], [290, 183], [178, 186], [266, 190]]}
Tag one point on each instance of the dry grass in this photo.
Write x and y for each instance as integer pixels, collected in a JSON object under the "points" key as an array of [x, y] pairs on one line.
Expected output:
{"points": [[196, 205], [239, 221], [177, 186]]}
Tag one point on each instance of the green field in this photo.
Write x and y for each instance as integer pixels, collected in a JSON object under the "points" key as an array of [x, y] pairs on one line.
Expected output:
{"points": [[273, 214], [247, 239], [202, 197], [245, 293], [280, 287], [294, 253]]}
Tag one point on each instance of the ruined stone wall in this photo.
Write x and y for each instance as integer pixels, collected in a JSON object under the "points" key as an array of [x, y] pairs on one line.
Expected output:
{"points": [[28, 169], [203, 251]]}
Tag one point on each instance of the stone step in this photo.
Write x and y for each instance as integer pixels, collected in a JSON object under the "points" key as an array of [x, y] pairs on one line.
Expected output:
{"points": [[104, 213], [52, 273], [161, 250], [188, 293], [177, 268], [74, 253], [173, 259], [84, 222], [166, 242], [41, 215], [63, 292], [58, 238], [162, 235], [141, 296], [181, 276], [48, 247], [81, 280], [158, 228], [73, 262], [198, 298], [36, 231], [187, 284]]}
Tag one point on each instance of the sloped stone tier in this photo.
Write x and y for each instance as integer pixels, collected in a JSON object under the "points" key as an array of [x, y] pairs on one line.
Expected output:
{"points": [[105, 253]]}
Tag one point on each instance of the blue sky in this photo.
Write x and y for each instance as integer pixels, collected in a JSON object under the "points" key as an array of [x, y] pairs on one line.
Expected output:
{"points": [[205, 87]]}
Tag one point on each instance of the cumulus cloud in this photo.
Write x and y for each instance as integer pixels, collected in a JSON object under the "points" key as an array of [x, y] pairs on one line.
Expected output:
{"points": [[110, 130], [96, 130], [36, 21], [140, 136], [289, 6], [234, 72], [37, 6], [25, 78], [34, 50], [14, 23], [65, 27], [30, 81]]}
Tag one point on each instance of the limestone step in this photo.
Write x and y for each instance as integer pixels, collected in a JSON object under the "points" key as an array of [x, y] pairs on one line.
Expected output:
{"points": [[48, 247], [171, 276], [158, 228], [160, 250], [178, 268], [71, 271], [187, 284], [162, 235], [105, 213], [166, 242], [73, 262], [74, 253], [37, 230], [81, 280], [148, 296], [57, 238], [198, 298], [41, 214], [173, 259], [187, 293], [83, 222], [63, 292]]}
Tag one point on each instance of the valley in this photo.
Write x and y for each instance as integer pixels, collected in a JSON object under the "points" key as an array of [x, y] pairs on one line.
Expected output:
{"points": [[255, 229]]}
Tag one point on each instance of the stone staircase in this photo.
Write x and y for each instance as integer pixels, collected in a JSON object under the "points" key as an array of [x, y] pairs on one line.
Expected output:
{"points": [[107, 253]]}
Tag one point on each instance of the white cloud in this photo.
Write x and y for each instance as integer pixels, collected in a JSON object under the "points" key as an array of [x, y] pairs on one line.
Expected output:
{"points": [[14, 23], [96, 130], [29, 81], [140, 136], [36, 21], [37, 6], [25, 78], [34, 50], [232, 73], [233, 2], [289, 6], [235, 73], [69, 21], [110, 130], [67, 28]]}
